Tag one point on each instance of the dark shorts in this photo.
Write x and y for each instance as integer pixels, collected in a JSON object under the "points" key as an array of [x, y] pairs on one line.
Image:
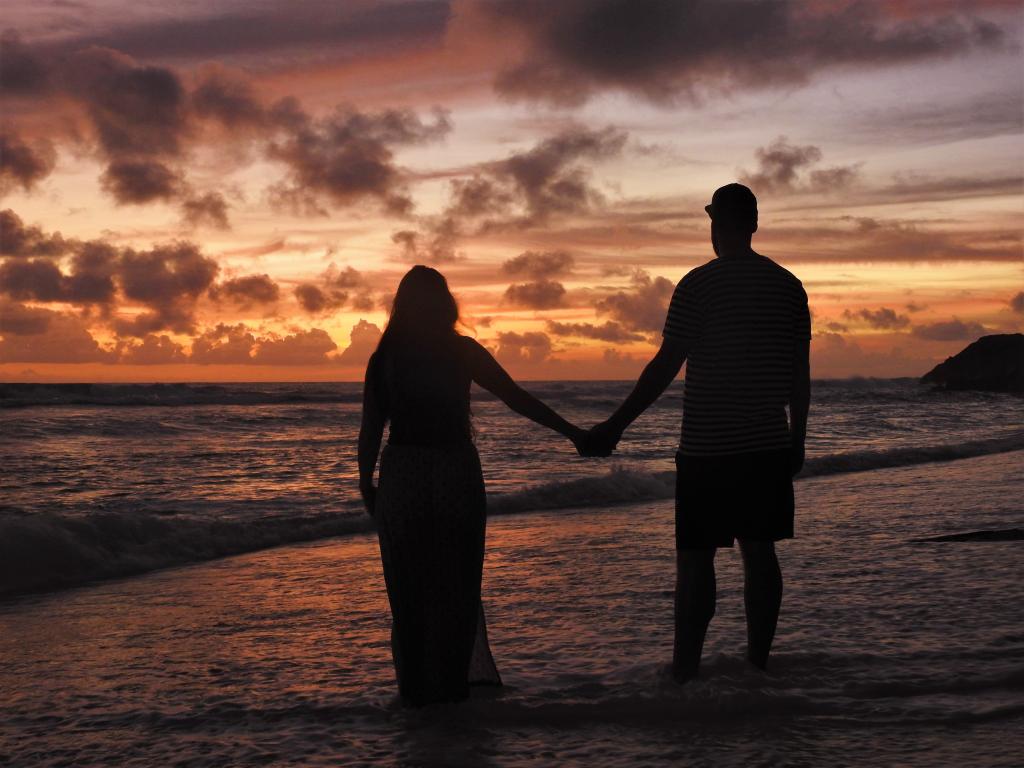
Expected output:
{"points": [[741, 496]]}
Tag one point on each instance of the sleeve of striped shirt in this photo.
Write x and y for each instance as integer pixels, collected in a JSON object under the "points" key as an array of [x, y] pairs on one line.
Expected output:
{"points": [[685, 320], [802, 324]]}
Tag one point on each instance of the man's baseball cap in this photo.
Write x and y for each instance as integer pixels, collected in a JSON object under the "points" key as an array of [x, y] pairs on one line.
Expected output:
{"points": [[733, 204]]}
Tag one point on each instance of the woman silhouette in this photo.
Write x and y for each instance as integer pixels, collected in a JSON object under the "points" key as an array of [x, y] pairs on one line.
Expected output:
{"points": [[430, 507]]}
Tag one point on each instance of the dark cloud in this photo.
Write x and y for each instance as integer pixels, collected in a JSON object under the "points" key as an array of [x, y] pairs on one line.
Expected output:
{"points": [[33, 279], [63, 339], [142, 120], [210, 208], [167, 280], [641, 308], [950, 330], [832, 179], [299, 348], [283, 33], [24, 72], [540, 264], [137, 110], [781, 167], [39, 279], [435, 245], [21, 164], [1017, 303], [145, 118], [348, 156], [835, 327], [312, 299], [549, 178], [362, 343], [224, 345], [539, 294], [238, 345], [610, 331], [90, 280], [247, 291], [882, 318], [345, 278], [529, 347], [337, 286], [94, 266], [152, 350], [228, 99], [19, 320], [409, 240], [524, 190], [140, 181], [478, 196], [779, 163], [664, 50], [17, 239]]}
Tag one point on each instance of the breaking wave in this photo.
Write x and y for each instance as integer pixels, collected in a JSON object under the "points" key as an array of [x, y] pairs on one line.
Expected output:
{"points": [[622, 484], [44, 551]]}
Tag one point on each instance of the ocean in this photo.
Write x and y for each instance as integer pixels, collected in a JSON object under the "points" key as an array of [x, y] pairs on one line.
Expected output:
{"points": [[900, 639], [109, 480]]}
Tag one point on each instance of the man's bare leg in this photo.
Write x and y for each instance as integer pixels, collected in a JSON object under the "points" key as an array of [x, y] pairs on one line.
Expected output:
{"points": [[762, 597], [695, 606]]}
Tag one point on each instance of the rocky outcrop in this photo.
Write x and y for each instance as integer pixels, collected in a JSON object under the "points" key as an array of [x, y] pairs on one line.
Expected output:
{"points": [[994, 363]]}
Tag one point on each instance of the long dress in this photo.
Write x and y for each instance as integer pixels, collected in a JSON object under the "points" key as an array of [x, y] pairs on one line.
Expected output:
{"points": [[431, 521]]}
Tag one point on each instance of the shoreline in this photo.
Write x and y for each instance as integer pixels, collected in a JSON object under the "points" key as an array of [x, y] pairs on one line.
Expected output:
{"points": [[632, 488], [162, 542]]}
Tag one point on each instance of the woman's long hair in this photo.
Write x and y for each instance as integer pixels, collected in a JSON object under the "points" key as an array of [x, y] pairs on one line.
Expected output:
{"points": [[424, 311]]}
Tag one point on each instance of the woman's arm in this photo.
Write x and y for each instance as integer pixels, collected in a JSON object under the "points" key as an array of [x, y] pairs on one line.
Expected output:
{"points": [[488, 373], [371, 431]]}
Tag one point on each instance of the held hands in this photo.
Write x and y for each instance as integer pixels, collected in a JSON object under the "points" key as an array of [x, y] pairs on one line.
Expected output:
{"points": [[602, 439], [599, 441]]}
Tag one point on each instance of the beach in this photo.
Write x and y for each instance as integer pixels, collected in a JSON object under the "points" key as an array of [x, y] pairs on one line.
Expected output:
{"points": [[892, 649]]}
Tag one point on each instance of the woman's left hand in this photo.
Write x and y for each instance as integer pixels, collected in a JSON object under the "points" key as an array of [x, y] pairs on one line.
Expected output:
{"points": [[579, 439], [369, 493]]}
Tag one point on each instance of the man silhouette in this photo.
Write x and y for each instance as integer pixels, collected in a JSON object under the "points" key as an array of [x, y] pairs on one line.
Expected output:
{"points": [[742, 323]]}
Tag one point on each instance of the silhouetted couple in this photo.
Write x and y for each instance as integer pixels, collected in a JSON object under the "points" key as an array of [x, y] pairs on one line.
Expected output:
{"points": [[742, 323]]}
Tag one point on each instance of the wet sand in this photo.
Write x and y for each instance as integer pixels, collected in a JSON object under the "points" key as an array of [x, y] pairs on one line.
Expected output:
{"points": [[890, 650]]}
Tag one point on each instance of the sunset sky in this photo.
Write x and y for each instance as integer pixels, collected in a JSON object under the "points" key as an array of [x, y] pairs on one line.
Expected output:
{"points": [[231, 190]]}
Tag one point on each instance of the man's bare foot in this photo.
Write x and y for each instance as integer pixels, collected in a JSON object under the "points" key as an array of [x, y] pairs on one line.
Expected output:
{"points": [[760, 661], [683, 675]]}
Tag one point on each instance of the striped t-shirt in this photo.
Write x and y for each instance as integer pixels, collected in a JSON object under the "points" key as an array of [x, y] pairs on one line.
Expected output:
{"points": [[740, 318]]}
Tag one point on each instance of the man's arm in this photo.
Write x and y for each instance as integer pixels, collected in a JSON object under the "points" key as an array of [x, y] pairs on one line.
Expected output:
{"points": [[371, 432], [799, 402], [658, 374]]}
